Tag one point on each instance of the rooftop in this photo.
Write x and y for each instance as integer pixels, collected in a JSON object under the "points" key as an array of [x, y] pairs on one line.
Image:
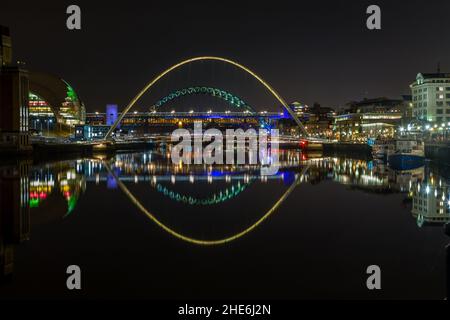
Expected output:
{"points": [[434, 75]]}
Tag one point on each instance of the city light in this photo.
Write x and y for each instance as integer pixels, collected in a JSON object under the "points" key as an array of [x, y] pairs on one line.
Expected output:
{"points": [[154, 184]]}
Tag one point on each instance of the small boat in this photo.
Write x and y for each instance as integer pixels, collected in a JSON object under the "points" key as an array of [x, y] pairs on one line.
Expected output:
{"points": [[380, 149], [406, 154]]}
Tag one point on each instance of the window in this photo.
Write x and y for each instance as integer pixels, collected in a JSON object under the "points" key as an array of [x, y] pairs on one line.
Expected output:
{"points": [[439, 103], [439, 119], [439, 111]]}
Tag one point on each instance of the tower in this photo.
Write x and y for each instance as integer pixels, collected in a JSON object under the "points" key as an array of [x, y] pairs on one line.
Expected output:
{"points": [[111, 114], [14, 88], [5, 47]]}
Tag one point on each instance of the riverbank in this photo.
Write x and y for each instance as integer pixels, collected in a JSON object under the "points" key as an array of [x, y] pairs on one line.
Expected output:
{"points": [[61, 150], [351, 149]]}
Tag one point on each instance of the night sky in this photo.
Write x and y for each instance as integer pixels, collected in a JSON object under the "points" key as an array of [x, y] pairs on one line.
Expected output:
{"points": [[308, 51]]}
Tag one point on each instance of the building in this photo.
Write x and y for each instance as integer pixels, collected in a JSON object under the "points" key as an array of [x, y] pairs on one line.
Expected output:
{"points": [[431, 97], [320, 121], [53, 100], [111, 114], [14, 87], [299, 109], [371, 118], [5, 47], [14, 109], [381, 105], [91, 132], [317, 120]]}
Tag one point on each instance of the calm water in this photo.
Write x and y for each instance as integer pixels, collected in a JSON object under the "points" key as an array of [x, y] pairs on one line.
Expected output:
{"points": [[140, 227]]}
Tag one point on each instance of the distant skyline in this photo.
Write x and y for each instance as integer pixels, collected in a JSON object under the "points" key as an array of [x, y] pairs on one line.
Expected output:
{"points": [[309, 52]]}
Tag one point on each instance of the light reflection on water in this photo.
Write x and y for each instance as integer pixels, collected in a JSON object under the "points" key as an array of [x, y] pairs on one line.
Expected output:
{"points": [[214, 202], [428, 191]]}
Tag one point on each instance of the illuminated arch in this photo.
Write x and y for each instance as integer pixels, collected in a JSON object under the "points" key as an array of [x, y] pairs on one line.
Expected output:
{"points": [[215, 92], [176, 66], [221, 196], [180, 236]]}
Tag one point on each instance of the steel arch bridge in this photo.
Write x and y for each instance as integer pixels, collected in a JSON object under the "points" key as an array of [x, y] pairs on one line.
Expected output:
{"points": [[205, 58], [215, 92]]}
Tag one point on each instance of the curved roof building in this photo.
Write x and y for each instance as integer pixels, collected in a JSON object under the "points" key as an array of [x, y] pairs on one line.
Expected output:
{"points": [[53, 96]]}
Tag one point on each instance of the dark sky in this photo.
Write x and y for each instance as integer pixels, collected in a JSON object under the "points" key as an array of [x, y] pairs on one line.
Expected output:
{"points": [[309, 51]]}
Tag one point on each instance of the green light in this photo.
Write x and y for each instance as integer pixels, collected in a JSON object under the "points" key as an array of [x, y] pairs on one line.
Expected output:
{"points": [[71, 95], [230, 193], [221, 94], [34, 203], [71, 203]]}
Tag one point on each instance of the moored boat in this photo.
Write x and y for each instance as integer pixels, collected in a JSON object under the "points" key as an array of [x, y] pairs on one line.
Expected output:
{"points": [[406, 154]]}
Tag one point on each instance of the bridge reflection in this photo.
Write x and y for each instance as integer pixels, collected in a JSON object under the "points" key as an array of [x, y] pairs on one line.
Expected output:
{"points": [[71, 178], [25, 187]]}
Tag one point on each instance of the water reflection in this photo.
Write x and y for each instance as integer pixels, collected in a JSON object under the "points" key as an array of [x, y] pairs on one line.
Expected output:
{"points": [[15, 212], [58, 187], [26, 186]]}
